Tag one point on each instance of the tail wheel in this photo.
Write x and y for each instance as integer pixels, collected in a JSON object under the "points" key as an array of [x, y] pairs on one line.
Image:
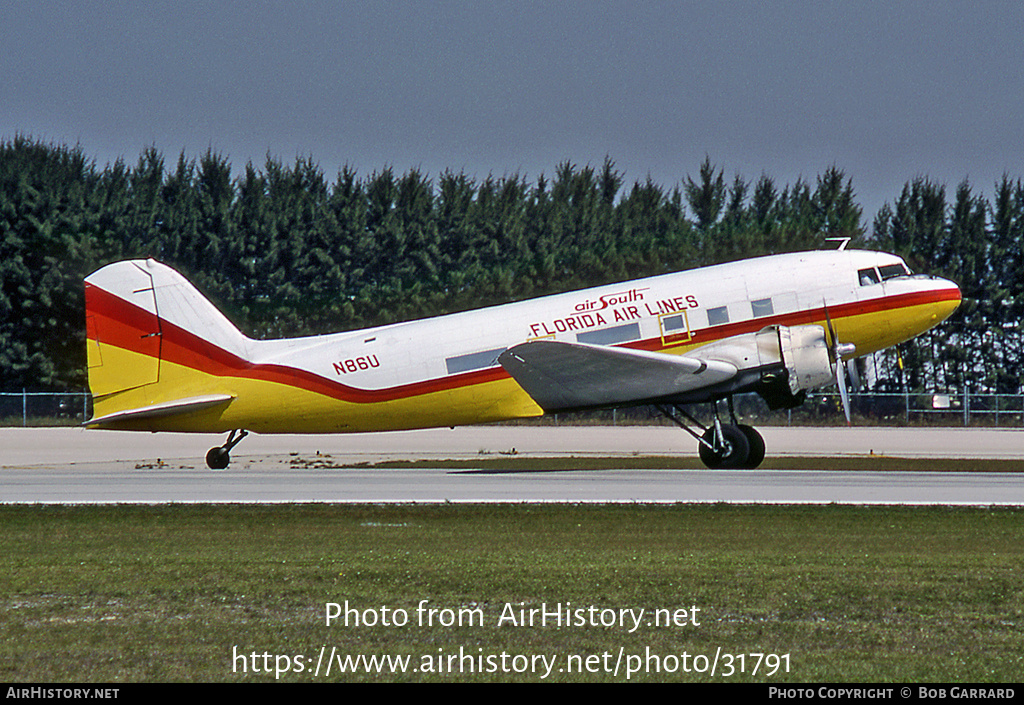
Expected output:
{"points": [[218, 458], [731, 452]]}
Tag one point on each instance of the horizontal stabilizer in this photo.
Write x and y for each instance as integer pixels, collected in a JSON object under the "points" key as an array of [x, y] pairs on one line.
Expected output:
{"points": [[562, 376], [164, 409]]}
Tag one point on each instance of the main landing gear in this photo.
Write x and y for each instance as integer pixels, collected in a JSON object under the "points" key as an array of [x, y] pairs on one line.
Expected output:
{"points": [[219, 457], [721, 445]]}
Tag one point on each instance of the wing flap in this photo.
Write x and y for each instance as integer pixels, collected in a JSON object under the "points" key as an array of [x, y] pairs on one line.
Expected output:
{"points": [[170, 408], [561, 376]]}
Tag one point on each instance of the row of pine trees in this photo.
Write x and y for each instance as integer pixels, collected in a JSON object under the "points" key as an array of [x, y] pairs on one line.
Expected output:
{"points": [[285, 251]]}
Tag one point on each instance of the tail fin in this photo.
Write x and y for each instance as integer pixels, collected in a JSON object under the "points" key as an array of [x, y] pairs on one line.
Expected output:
{"points": [[148, 330]]}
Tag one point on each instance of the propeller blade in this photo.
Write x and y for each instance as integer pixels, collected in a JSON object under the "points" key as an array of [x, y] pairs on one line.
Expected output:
{"points": [[837, 351], [843, 394]]}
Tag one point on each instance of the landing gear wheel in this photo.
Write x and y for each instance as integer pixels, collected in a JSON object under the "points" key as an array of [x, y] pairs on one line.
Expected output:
{"points": [[733, 451], [756, 443], [218, 458]]}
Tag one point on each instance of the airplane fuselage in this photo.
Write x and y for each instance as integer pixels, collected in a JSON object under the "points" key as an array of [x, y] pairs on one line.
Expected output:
{"points": [[444, 371]]}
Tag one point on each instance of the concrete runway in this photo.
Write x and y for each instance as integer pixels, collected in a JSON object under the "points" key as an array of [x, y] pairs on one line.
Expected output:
{"points": [[73, 465]]}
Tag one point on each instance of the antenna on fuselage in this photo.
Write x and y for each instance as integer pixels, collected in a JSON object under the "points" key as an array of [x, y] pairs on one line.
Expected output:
{"points": [[843, 242]]}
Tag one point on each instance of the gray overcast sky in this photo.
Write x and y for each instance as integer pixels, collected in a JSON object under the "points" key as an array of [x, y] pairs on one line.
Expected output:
{"points": [[884, 90]]}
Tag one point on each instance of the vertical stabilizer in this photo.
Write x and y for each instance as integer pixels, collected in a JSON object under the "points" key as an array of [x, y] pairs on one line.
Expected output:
{"points": [[137, 313]]}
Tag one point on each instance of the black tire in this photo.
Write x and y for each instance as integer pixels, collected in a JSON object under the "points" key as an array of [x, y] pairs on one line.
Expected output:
{"points": [[217, 458], [734, 452], [755, 455]]}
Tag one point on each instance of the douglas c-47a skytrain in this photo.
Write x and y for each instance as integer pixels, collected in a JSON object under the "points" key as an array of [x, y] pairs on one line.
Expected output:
{"points": [[163, 358]]}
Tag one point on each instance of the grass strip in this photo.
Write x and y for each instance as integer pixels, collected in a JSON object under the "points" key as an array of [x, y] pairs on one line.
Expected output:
{"points": [[178, 592]]}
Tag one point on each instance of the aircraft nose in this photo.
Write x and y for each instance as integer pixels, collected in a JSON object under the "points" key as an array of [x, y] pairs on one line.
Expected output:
{"points": [[947, 299], [954, 289]]}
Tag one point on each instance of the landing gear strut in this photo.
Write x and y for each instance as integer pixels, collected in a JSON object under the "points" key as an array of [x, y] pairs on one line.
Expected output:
{"points": [[721, 445], [219, 457]]}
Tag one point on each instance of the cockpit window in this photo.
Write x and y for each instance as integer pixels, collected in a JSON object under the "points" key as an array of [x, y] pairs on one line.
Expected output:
{"points": [[868, 276], [893, 270]]}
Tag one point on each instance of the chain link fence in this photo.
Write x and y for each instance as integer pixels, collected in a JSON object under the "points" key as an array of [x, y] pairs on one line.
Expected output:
{"points": [[26, 408]]}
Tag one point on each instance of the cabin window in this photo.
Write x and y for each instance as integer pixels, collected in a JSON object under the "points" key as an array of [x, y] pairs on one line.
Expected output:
{"points": [[473, 361], [890, 271], [868, 276], [718, 316], [610, 336], [762, 307]]}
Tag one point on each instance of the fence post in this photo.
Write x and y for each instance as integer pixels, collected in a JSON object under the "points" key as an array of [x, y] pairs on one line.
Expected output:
{"points": [[24, 408]]}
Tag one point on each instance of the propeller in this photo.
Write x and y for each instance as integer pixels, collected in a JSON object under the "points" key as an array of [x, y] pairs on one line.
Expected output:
{"points": [[836, 352]]}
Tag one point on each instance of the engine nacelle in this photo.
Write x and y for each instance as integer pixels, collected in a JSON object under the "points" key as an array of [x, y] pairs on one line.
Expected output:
{"points": [[802, 362], [779, 362], [806, 356]]}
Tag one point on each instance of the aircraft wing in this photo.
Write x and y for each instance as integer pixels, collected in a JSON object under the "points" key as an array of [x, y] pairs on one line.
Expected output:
{"points": [[562, 376]]}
